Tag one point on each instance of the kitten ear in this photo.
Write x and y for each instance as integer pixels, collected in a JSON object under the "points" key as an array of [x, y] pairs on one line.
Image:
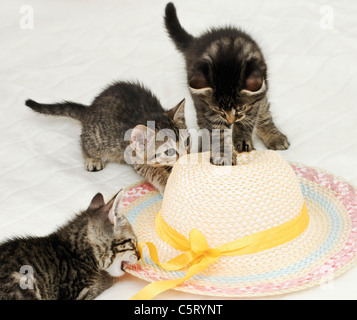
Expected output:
{"points": [[177, 113], [140, 135], [199, 82], [97, 202], [199, 85], [114, 208], [254, 83]]}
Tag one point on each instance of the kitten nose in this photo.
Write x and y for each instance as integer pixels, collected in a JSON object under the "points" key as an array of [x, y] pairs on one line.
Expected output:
{"points": [[231, 116]]}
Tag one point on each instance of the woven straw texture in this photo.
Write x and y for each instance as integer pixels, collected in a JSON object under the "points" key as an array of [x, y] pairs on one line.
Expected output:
{"points": [[226, 203]]}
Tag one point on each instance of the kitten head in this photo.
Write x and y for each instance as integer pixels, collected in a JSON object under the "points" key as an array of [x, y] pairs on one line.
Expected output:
{"points": [[163, 145], [111, 235], [230, 75]]}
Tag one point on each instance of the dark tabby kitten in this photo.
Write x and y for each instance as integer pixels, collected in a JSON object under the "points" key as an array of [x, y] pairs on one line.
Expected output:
{"points": [[112, 115], [78, 261], [227, 77]]}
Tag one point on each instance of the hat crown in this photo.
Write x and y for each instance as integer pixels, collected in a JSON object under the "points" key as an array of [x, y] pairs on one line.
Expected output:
{"points": [[229, 202]]}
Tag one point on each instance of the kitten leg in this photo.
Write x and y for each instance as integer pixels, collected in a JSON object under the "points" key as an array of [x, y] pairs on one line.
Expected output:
{"points": [[103, 282], [242, 136], [19, 294], [90, 293], [92, 162], [157, 176], [11, 288], [222, 151], [269, 133]]}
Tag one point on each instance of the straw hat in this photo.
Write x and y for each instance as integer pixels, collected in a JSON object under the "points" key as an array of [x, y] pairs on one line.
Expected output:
{"points": [[263, 227]]}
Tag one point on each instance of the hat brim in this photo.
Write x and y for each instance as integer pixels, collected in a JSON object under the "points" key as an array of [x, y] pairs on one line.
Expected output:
{"points": [[323, 251]]}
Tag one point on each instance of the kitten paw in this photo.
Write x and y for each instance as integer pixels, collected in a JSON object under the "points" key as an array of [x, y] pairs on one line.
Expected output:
{"points": [[162, 189], [277, 142], [244, 144], [94, 165]]}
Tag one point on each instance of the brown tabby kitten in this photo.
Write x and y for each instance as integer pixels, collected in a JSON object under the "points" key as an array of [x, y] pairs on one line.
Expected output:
{"points": [[108, 122], [227, 77], [78, 261]]}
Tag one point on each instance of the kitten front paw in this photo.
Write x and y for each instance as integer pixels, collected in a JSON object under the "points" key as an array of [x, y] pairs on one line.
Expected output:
{"points": [[94, 165], [161, 189], [277, 141], [244, 144]]}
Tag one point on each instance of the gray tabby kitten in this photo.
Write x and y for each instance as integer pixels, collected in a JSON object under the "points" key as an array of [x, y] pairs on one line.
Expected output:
{"points": [[227, 77], [78, 261], [121, 107]]}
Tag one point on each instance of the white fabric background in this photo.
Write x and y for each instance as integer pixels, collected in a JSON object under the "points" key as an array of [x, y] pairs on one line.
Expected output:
{"points": [[78, 47]]}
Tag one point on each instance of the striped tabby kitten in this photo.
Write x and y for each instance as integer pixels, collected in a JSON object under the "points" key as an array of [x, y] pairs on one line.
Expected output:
{"points": [[227, 77], [115, 112], [78, 261]]}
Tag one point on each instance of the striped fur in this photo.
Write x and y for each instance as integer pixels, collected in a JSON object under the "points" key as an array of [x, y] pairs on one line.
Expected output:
{"points": [[75, 262], [227, 76], [105, 123]]}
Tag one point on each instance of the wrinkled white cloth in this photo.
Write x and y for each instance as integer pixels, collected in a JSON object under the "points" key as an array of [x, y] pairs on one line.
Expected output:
{"points": [[75, 48]]}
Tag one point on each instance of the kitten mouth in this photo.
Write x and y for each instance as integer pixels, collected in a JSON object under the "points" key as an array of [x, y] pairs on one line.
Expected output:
{"points": [[124, 264]]}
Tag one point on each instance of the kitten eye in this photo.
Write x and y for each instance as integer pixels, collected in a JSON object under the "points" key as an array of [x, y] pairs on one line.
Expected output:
{"points": [[170, 152]]}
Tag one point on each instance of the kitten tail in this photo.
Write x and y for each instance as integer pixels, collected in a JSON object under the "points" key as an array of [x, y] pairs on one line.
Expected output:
{"points": [[179, 35], [67, 109]]}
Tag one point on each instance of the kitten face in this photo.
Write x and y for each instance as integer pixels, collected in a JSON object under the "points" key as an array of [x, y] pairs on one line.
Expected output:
{"points": [[169, 148], [162, 147], [229, 78], [123, 251], [112, 236]]}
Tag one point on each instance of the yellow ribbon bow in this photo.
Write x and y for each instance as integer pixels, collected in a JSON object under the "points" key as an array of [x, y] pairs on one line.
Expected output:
{"points": [[199, 255]]}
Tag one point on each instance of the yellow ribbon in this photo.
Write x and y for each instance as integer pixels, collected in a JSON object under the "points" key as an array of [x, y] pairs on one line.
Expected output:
{"points": [[199, 255]]}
